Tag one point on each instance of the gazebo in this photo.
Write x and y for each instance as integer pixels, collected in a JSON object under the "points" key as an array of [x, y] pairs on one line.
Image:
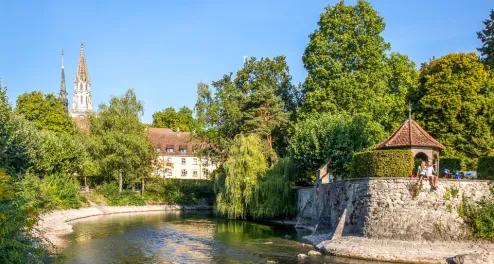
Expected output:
{"points": [[413, 137]]}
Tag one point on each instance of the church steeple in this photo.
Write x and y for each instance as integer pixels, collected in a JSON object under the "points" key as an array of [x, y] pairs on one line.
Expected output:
{"points": [[82, 73], [63, 96], [81, 101]]}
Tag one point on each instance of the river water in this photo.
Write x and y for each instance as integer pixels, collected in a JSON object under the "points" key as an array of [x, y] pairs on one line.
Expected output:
{"points": [[184, 237]]}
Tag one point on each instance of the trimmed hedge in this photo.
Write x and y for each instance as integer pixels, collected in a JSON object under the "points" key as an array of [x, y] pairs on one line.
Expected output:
{"points": [[452, 164], [485, 168], [382, 163]]}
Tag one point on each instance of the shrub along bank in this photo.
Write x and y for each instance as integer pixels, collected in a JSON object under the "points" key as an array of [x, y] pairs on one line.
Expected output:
{"points": [[157, 191]]}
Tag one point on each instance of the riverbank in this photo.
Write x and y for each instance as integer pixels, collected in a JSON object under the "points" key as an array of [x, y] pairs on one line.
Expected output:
{"points": [[402, 251], [54, 225]]}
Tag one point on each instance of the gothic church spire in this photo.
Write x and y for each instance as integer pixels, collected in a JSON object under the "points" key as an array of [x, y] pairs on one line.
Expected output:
{"points": [[82, 102], [82, 73], [63, 95]]}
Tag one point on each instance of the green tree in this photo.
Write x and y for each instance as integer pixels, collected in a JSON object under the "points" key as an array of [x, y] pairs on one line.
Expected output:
{"points": [[18, 139], [486, 35], [455, 104], [182, 120], [242, 171], [259, 99], [334, 139], [45, 111], [118, 141], [349, 70]]}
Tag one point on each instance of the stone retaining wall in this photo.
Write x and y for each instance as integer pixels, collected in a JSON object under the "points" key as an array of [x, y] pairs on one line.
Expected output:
{"points": [[392, 208]]}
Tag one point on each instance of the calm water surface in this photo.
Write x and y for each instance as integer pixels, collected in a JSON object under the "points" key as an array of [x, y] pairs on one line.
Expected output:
{"points": [[177, 237]]}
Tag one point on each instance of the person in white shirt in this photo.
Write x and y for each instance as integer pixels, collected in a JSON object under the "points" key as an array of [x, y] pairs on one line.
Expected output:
{"points": [[430, 173]]}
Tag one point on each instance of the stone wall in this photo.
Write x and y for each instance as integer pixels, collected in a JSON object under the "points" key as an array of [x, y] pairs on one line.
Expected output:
{"points": [[392, 208]]}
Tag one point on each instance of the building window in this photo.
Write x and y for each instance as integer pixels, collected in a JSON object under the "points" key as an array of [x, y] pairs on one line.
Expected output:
{"points": [[194, 173], [206, 172], [183, 161], [169, 160], [184, 172], [169, 172], [194, 161], [169, 149]]}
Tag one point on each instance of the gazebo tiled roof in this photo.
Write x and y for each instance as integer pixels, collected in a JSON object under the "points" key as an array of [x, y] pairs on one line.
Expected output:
{"points": [[410, 134]]}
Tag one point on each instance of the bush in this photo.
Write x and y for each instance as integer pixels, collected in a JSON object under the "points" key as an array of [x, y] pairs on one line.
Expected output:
{"points": [[452, 164], [178, 191], [18, 219], [63, 191], [485, 168], [382, 163], [114, 198], [480, 216]]}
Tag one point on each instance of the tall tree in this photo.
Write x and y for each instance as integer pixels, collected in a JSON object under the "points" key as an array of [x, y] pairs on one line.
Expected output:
{"points": [[45, 111], [244, 169], [455, 104], [178, 121], [258, 99], [118, 140], [487, 37], [348, 67]]}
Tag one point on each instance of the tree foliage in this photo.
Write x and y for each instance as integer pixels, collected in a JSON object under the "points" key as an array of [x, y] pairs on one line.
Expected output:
{"points": [[18, 218], [334, 139], [178, 121], [45, 111], [455, 104], [258, 99], [349, 70], [118, 141], [486, 35], [243, 170]]}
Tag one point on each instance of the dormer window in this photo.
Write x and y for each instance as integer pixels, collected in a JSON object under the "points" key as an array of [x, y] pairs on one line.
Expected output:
{"points": [[169, 148], [182, 148]]}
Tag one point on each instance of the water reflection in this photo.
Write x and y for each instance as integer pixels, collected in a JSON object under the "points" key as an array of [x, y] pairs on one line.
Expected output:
{"points": [[174, 237]]}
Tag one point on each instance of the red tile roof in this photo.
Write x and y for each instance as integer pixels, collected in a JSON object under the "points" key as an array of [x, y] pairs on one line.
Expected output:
{"points": [[410, 134], [164, 138]]}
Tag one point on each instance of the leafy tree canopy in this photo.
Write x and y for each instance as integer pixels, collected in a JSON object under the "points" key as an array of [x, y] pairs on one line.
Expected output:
{"points": [[455, 104], [486, 35], [259, 99], [178, 121], [118, 141], [45, 111], [242, 171], [334, 139], [349, 70]]}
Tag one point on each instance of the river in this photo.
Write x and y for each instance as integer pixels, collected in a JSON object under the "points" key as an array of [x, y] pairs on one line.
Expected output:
{"points": [[184, 237]]}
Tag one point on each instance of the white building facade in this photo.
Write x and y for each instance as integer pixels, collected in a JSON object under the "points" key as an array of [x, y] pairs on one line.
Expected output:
{"points": [[177, 158]]}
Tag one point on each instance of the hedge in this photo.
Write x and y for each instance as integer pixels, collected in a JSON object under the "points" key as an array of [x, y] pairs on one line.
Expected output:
{"points": [[452, 164], [382, 163], [485, 168]]}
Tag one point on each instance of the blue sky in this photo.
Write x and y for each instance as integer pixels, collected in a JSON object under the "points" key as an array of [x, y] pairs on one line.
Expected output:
{"points": [[162, 48]]}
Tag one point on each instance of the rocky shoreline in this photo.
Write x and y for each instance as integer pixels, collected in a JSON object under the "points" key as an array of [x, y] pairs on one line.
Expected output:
{"points": [[405, 251], [54, 225]]}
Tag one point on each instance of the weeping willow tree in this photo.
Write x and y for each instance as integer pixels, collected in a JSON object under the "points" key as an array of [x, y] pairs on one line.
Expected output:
{"points": [[244, 168], [274, 195]]}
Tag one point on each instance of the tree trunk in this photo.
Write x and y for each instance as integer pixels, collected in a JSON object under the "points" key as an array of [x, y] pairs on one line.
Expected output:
{"points": [[120, 180], [142, 187], [85, 184], [270, 141]]}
